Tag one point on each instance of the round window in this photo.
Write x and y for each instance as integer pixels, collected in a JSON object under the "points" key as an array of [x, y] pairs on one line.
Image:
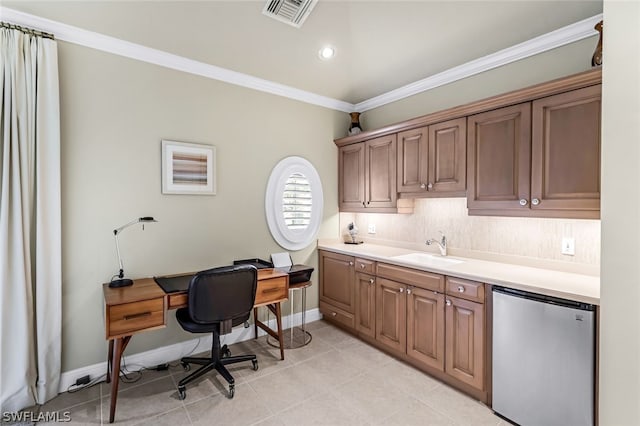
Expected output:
{"points": [[293, 203]]}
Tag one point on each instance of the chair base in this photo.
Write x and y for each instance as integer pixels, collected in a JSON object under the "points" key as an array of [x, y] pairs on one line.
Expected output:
{"points": [[219, 358]]}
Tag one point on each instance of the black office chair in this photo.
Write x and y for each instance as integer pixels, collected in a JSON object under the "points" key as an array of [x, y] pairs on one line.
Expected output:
{"points": [[218, 299]]}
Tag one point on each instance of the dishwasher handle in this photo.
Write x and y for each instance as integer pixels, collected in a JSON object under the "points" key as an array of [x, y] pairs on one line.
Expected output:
{"points": [[552, 300]]}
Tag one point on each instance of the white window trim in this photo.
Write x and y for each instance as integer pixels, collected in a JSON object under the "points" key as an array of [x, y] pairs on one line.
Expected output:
{"points": [[292, 239]]}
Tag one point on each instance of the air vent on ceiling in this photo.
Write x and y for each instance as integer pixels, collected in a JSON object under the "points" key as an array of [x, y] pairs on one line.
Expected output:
{"points": [[292, 12]]}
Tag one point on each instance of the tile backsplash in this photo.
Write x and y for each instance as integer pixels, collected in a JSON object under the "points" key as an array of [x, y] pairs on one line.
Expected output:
{"points": [[535, 238]]}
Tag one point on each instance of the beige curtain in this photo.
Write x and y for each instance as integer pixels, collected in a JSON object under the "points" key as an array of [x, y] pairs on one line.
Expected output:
{"points": [[30, 253]]}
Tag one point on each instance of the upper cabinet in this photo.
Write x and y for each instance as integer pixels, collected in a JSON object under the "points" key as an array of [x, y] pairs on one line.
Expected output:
{"points": [[531, 152], [432, 160], [367, 176], [539, 158]]}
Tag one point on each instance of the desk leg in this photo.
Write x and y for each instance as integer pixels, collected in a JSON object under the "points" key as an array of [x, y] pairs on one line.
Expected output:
{"points": [[277, 311], [115, 356], [255, 322], [279, 321], [109, 360]]}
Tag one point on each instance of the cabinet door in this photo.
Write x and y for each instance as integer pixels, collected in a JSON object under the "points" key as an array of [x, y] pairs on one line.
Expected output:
{"points": [[464, 349], [448, 156], [391, 314], [366, 304], [565, 152], [337, 278], [499, 158], [351, 175], [425, 327], [380, 171], [413, 160]]}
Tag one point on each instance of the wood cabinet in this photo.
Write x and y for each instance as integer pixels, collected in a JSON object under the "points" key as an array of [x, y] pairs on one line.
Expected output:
{"points": [[565, 152], [436, 322], [367, 176], [432, 159], [337, 287], [365, 298], [539, 158], [465, 341]]}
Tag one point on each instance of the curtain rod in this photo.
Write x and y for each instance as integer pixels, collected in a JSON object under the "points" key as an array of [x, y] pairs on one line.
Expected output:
{"points": [[26, 30]]}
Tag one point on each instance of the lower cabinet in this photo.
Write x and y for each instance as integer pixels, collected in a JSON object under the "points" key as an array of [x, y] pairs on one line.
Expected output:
{"points": [[436, 322]]}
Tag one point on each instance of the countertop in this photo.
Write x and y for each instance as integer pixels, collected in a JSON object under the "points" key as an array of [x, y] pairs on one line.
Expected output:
{"points": [[572, 286]]}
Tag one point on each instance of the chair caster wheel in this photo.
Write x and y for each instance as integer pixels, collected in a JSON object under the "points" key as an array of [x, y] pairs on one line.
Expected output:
{"points": [[186, 367], [182, 393], [225, 352], [232, 391], [255, 364]]}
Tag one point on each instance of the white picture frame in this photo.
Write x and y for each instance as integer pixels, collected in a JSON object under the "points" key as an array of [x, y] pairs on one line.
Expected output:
{"points": [[188, 168]]}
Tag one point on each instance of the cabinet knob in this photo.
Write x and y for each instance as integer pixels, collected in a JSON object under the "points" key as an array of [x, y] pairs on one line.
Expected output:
{"points": [[448, 302], [430, 186], [371, 281], [350, 263], [535, 202], [333, 314], [460, 289], [401, 290], [423, 186], [363, 204], [362, 265], [523, 202], [408, 291]]}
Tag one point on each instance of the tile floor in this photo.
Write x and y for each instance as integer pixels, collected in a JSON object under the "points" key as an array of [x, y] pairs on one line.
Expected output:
{"points": [[335, 380]]}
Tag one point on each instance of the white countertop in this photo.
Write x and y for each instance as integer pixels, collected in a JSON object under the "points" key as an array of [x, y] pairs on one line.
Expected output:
{"points": [[582, 288]]}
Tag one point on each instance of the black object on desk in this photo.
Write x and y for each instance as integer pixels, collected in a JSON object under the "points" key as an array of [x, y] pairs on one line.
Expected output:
{"points": [[258, 263], [174, 284], [297, 273]]}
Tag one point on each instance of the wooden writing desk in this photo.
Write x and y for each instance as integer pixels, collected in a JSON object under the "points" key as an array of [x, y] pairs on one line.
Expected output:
{"points": [[143, 306]]}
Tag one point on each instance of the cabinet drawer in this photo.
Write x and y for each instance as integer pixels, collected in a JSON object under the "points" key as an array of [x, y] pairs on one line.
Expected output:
{"points": [[332, 313], [422, 279], [129, 318], [366, 266], [272, 290], [465, 289]]}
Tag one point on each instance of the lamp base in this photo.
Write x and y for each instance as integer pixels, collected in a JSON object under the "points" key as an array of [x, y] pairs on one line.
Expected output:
{"points": [[123, 282]]}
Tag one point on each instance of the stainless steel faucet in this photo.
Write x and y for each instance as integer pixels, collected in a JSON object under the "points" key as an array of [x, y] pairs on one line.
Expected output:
{"points": [[442, 244]]}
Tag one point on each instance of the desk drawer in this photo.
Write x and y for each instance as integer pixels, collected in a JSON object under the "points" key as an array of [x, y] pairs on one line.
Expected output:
{"points": [[272, 290], [128, 318]]}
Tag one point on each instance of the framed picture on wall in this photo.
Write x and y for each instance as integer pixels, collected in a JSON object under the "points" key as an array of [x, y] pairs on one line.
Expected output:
{"points": [[188, 168]]}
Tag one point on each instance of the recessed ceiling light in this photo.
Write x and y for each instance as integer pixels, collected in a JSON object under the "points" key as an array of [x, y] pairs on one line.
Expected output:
{"points": [[327, 52]]}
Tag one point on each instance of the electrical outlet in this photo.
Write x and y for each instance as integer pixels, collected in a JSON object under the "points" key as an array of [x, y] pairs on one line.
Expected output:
{"points": [[568, 246], [372, 228]]}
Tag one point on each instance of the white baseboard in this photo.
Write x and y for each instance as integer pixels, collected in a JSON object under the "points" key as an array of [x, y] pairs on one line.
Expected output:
{"points": [[176, 351]]}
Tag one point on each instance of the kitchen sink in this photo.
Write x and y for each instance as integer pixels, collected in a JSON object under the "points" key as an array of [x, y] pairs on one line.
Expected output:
{"points": [[425, 259]]}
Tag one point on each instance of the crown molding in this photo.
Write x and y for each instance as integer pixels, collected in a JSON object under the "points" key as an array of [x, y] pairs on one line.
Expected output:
{"points": [[560, 37], [82, 37], [68, 33]]}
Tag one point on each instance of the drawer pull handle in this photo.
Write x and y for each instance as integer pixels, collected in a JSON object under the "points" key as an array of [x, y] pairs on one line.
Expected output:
{"points": [[448, 302], [333, 314], [138, 315], [371, 281], [350, 263], [271, 290], [362, 265], [460, 289]]}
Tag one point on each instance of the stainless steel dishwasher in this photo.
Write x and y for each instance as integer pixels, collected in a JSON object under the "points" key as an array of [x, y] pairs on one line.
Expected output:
{"points": [[543, 359]]}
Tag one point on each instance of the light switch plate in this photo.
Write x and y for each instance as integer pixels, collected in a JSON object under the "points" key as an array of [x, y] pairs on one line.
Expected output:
{"points": [[568, 246], [371, 229]]}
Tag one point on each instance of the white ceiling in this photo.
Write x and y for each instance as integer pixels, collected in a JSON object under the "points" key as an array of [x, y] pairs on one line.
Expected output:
{"points": [[381, 45]]}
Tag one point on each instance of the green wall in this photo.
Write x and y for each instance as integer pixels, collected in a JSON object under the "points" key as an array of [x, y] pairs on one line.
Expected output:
{"points": [[115, 112]]}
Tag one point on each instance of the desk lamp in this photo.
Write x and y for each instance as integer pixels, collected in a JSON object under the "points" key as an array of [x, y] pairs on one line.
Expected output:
{"points": [[121, 281]]}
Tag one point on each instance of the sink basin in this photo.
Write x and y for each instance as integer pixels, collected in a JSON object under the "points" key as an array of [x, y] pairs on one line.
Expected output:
{"points": [[425, 259]]}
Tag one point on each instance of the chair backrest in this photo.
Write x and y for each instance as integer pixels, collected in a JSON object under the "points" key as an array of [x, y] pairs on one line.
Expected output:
{"points": [[223, 293]]}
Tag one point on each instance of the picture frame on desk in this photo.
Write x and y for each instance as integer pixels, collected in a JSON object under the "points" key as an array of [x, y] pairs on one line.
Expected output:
{"points": [[188, 168]]}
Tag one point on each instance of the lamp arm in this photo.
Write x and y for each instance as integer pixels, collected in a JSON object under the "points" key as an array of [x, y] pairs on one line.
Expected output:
{"points": [[121, 272], [133, 222]]}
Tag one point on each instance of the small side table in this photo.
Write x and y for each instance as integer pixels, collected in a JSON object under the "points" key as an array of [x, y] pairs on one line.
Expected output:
{"points": [[298, 336]]}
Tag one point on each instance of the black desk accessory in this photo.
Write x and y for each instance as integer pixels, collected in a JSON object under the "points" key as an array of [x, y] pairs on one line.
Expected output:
{"points": [[121, 281]]}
